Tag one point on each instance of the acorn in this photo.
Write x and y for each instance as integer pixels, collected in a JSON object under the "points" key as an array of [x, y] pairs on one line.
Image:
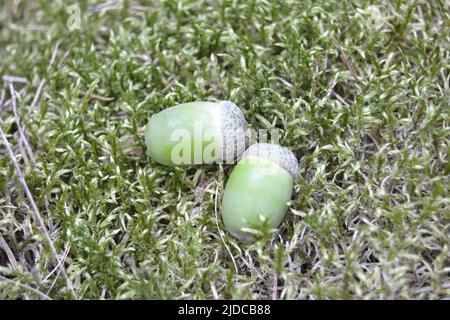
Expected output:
{"points": [[258, 190], [196, 133]]}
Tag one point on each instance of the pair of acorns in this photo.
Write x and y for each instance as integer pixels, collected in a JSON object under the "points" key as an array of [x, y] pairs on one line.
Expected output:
{"points": [[260, 186]]}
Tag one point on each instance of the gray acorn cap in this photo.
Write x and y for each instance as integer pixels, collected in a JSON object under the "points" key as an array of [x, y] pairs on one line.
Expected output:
{"points": [[234, 130], [277, 154]]}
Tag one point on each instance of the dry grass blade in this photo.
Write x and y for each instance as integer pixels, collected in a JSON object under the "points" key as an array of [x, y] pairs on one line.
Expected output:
{"points": [[275, 287], [14, 79], [342, 100], [346, 60], [37, 95], [23, 138], [35, 101], [41, 294], [8, 251], [61, 261], [96, 96], [2, 97], [8, 102], [104, 6], [36, 213], [216, 218]]}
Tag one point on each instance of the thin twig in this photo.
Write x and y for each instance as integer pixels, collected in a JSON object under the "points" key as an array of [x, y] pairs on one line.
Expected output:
{"points": [[23, 139], [8, 102], [220, 231], [9, 253], [37, 27], [342, 100], [333, 84], [170, 84], [103, 294], [2, 97], [104, 6], [250, 265], [275, 287], [14, 79], [62, 260], [36, 213], [346, 60], [66, 252], [52, 59], [444, 286], [37, 95], [96, 96], [214, 291], [42, 295], [202, 187], [54, 281]]}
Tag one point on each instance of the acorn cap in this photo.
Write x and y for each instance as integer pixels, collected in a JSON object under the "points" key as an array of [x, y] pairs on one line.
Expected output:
{"points": [[234, 129], [280, 155]]}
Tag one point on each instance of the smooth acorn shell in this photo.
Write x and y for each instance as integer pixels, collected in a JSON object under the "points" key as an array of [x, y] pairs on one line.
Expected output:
{"points": [[257, 192], [206, 124]]}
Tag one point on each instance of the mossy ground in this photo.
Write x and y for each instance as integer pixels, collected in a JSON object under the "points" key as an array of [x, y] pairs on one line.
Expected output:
{"points": [[359, 90]]}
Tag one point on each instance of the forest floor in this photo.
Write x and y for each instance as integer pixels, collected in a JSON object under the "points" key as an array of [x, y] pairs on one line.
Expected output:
{"points": [[359, 92]]}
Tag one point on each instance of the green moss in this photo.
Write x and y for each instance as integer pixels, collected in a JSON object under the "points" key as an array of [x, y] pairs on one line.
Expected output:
{"points": [[361, 98]]}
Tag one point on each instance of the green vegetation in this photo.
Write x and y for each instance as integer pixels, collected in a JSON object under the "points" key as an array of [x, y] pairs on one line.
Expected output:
{"points": [[360, 94]]}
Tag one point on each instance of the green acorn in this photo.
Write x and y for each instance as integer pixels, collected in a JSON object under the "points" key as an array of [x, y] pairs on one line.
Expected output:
{"points": [[258, 190], [196, 133]]}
